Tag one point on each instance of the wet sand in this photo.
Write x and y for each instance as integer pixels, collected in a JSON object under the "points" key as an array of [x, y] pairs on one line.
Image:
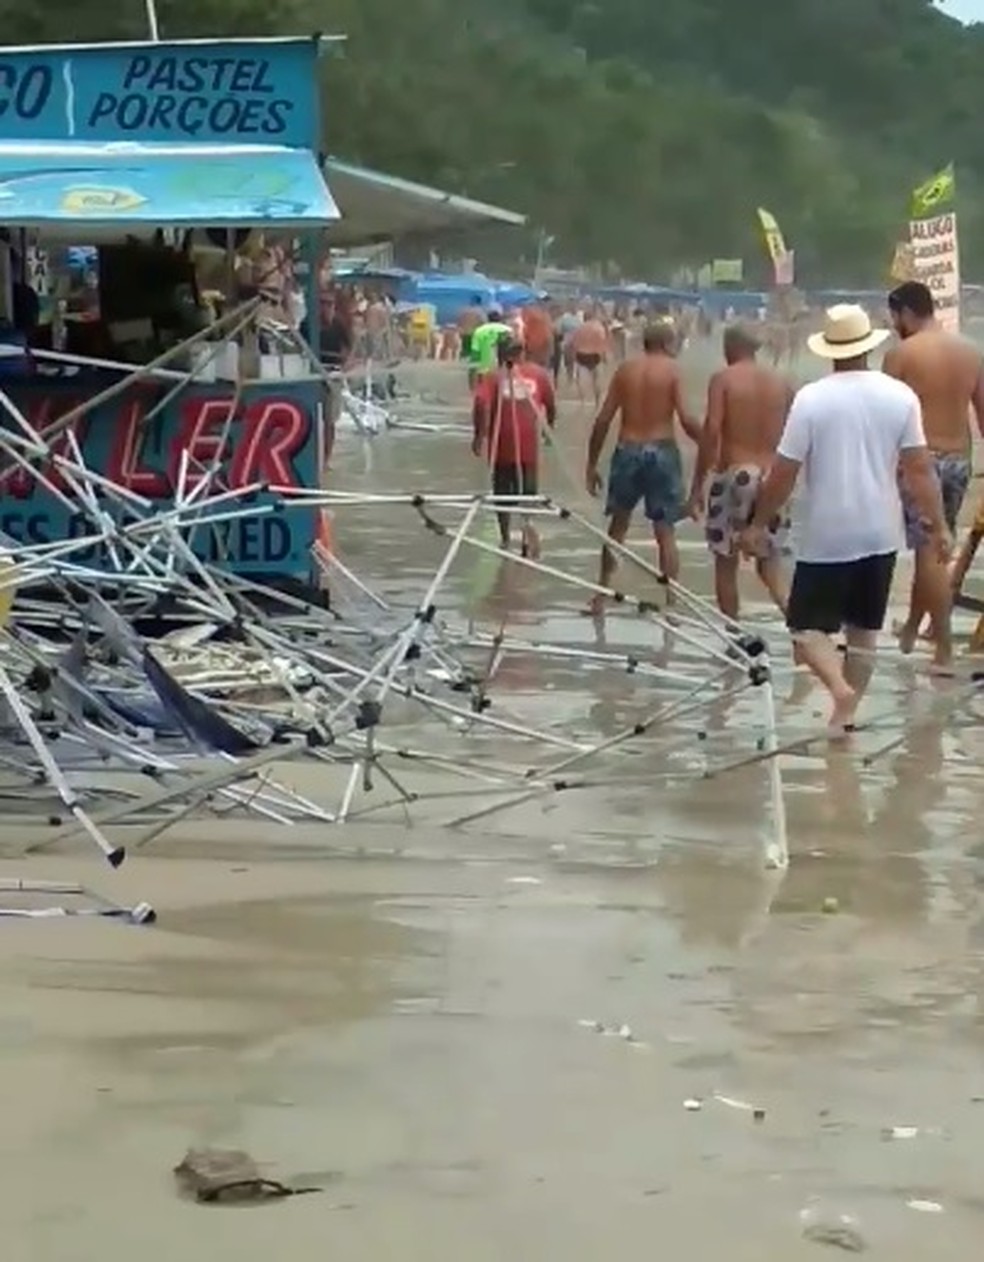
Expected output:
{"points": [[407, 1014]]}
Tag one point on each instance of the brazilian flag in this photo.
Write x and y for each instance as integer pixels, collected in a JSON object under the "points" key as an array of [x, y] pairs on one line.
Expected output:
{"points": [[935, 195]]}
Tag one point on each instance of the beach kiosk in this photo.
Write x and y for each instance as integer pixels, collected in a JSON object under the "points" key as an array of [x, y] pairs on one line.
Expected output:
{"points": [[142, 150]]}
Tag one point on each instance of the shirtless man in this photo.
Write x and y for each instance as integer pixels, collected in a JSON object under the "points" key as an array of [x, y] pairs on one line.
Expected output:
{"points": [[647, 393], [747, 405], [589, 342], [946, 373]]}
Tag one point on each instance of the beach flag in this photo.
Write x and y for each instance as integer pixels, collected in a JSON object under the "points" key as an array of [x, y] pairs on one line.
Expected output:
{"points": [[935, 194], [775, 242]]}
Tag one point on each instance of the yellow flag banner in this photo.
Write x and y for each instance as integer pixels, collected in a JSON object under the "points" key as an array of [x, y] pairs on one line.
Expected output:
{"points": [[935, 245], [774, 241]]}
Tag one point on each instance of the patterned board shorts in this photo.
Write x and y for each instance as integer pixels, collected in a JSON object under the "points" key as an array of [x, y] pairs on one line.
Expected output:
{"points": [[954, 473], [730, 504], [651, 472]]}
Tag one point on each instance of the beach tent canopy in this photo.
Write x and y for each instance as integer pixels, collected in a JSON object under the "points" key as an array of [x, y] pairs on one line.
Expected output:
{"points": [[84, 191], [377, 207]]}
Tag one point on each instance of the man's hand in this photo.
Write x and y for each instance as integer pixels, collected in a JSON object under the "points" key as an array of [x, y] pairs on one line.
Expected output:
{"points": [[477, 445], [694, 507], [592, 480], [942, 544], [752, 541]]}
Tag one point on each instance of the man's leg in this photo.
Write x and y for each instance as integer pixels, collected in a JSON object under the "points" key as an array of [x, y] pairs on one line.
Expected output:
{"points": [[865, 606], [859, 660], [618, 528], [814, 615], [726, 584], [528, 484], [596, 385], [667, 552], [932, 593], [769, 570], [504, 483]]}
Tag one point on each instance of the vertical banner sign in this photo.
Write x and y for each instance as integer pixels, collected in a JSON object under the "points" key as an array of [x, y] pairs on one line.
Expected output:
{"points": [[785, 269], [775, 242], [935, 245]]}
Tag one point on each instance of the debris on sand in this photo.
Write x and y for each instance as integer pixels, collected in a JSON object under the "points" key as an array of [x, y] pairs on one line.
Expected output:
{"points": [[229, 1176], [838, 1235], [839, 1231]]}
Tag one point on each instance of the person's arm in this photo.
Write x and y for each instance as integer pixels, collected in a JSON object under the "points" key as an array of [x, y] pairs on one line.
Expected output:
{"points": [[709, 446], [892, 362], [688, 423], [481, 411], [919, 478], [977, 398], [549, 397], [602, 424], [780, 482]]}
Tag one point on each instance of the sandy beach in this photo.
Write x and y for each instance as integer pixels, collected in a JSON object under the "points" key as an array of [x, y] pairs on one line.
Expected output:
{"points": [[589, 1023]]}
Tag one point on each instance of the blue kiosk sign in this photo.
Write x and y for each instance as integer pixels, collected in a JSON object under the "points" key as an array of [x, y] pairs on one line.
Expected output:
{"points": [[236, 92], [191, 126]]}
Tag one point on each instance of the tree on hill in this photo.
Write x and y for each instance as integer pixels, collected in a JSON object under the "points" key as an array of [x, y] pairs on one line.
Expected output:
{"points": [[638, 133]]}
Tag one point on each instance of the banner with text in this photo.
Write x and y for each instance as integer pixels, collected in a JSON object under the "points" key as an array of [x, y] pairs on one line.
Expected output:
{"points": [[775, 242], [232, 91], [272, 439], [727, 271], [936, 262]]}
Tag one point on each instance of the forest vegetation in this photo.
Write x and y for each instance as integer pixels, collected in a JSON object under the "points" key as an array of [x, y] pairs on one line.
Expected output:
{"points": [[641, 135]]}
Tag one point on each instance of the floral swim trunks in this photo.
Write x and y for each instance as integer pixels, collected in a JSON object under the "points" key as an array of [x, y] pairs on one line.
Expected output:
{"points": [[730, 504], [953, 473]]}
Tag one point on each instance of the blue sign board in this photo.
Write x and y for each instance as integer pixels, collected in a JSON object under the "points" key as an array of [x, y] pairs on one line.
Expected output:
{"points": [[273, 439], [234, 92]]}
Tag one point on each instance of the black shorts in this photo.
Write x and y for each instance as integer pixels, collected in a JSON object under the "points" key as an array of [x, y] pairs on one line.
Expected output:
{"points": [[588, 362], [836, 594], [508, 479]]}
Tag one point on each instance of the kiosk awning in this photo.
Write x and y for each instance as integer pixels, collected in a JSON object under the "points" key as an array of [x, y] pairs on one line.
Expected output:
{"points": [[120, 185], [378, 207]]}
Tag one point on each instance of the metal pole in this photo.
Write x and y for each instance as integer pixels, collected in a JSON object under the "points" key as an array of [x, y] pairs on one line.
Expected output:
{"points": [[152, 23]]}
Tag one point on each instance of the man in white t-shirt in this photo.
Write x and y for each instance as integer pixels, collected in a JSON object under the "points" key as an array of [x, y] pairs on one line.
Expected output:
{"points": [[852, 433]]}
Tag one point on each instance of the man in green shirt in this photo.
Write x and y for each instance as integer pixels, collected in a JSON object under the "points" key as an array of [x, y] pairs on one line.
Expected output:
{"points": [[483, 354]]}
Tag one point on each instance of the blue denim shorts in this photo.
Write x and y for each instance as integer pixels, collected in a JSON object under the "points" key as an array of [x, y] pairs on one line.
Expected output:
{"points": [[651, 472]]}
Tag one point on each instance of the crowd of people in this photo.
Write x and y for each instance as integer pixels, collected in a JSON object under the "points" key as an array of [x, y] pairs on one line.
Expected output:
{"points": [[884, 456]]}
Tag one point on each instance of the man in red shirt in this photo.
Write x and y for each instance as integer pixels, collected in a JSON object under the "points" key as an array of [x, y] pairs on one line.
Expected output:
{"points": [[508, 407]]}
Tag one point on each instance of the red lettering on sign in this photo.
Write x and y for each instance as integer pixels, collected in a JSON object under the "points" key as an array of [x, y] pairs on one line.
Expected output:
{"points": [[20, 482], [122, 467], [200, 433], [275, 430]]}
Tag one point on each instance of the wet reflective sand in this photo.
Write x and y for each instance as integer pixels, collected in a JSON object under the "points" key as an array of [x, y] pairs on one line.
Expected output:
{"points": [[481, 1040]]}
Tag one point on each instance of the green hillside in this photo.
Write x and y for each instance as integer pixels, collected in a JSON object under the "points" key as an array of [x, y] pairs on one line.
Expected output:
{"points": [[638, 133]]}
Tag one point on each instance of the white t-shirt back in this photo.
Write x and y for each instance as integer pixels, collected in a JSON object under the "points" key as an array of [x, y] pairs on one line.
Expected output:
{"points": [[848, 431]]}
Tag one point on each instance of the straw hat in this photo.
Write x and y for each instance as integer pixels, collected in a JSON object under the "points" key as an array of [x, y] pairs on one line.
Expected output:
{"points": [[847, 334]]}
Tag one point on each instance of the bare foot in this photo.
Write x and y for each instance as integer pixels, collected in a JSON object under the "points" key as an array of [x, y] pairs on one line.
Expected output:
{"points": [[596, 607], [841, 721], [942, 669], [531, 544], [907, 637]]}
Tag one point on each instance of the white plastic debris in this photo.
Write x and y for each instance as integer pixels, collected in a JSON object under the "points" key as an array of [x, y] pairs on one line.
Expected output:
{"points": [[731, 1103], [693, 1105], [925, 1207], [901, 1132]]}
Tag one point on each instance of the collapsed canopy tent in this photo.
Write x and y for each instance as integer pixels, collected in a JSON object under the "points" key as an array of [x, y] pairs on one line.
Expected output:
{"points": [[117, 185], [378, 207]]}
